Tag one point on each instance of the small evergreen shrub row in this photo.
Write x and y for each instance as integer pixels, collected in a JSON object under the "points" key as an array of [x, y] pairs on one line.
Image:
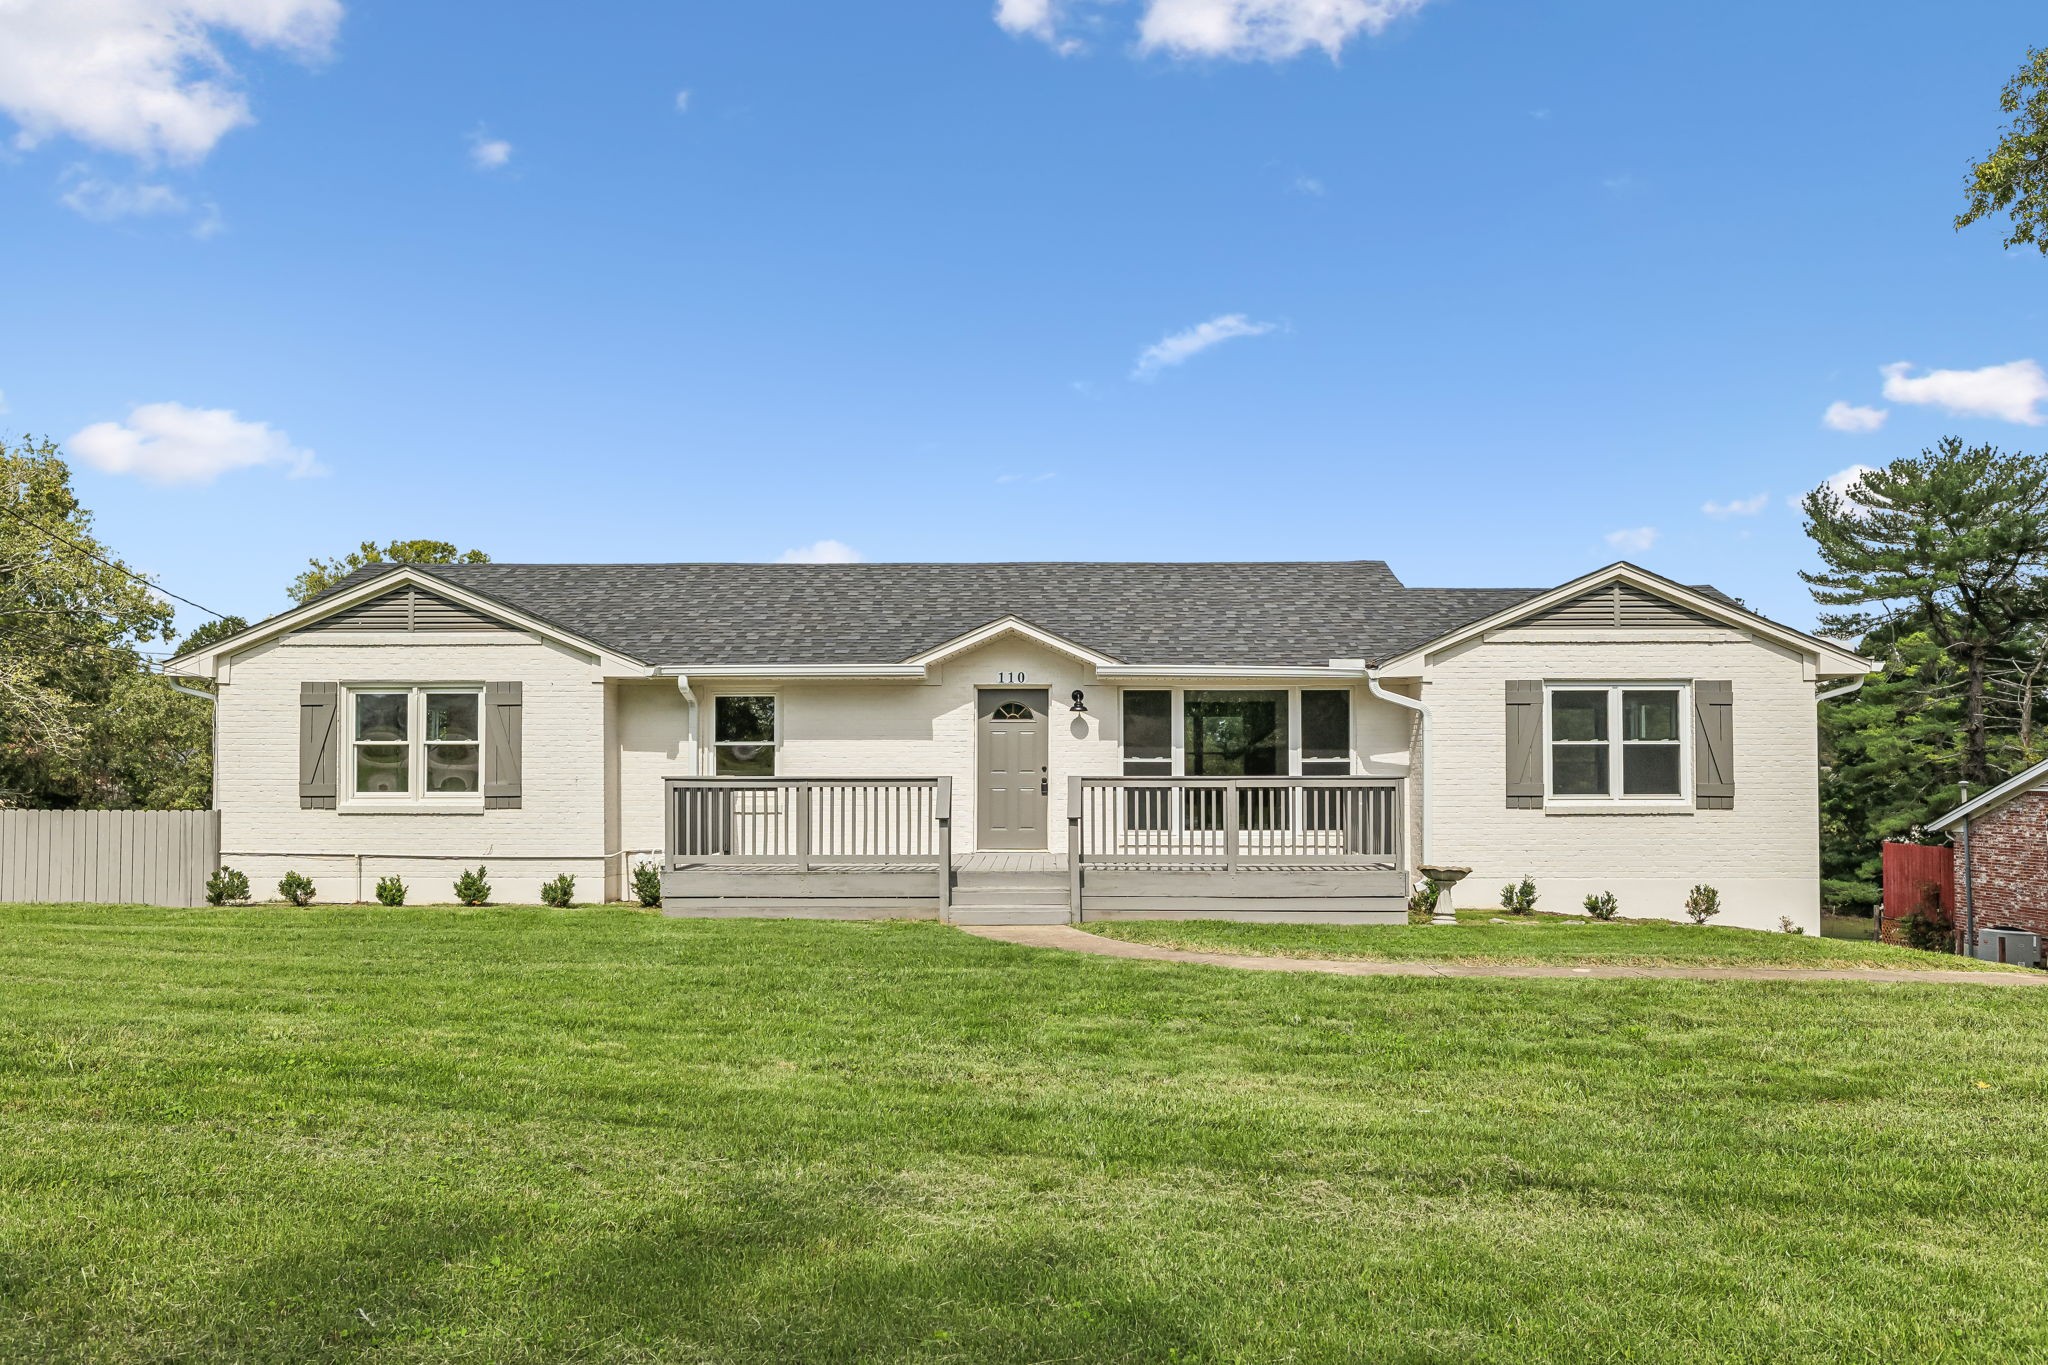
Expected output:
{"points": [[391, 890], [1519, 898], [559, 892], [1422, 901], [1603, 905], [227, 887], [647, 884]]}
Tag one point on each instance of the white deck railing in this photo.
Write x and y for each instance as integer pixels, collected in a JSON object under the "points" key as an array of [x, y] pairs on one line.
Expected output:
{"points": [[806, 822], [1235, 823]]}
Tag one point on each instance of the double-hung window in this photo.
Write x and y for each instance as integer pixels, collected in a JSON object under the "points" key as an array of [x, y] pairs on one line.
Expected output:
{"points": [[1616, 742], [743, 734], [416, 744]]}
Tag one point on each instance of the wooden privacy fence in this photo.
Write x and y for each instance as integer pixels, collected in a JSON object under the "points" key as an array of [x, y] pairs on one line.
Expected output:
{"points": [[108, 857], [1916, 877]]}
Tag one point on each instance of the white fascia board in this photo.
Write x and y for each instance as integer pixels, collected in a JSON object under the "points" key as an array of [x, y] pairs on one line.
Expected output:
{"points": [[1119, 672], [851, 672], [1830, 660], [207, 662]]}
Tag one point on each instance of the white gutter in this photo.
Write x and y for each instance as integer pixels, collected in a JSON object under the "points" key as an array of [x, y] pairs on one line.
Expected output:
{"points": [[1844, 690], [1372, 685], [193, 692]]}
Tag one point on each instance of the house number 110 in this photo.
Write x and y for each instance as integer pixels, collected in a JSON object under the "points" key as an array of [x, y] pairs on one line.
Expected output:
{"points": [[1009, 677]]}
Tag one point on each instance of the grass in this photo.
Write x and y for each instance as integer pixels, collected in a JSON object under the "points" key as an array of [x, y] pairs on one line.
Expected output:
{"points": [[1848, 926], [1481, 937], [522, 1135]]}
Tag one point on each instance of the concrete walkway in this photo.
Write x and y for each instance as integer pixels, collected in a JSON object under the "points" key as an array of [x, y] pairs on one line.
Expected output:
{"points": [[1072, 940]]}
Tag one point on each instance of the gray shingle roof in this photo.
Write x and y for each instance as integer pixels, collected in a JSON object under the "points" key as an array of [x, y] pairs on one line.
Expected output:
{"points": [[1250, 614]]}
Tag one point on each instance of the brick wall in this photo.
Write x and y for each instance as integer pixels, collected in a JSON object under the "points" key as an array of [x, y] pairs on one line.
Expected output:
{"points": [[2009, 865]]}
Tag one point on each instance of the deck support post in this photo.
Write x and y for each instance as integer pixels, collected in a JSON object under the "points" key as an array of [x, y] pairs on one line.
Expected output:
{"points": [[942, 812], [1074, 813]]}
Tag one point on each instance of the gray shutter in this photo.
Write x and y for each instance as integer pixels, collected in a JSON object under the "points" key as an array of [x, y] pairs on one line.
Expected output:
{"points": [[1525, 746], [504, 729], [319, 703], [1713, 745]]}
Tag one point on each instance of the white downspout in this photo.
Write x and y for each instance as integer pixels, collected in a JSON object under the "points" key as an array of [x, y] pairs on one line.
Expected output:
{"points": [[690, 725], [1372, 685]]}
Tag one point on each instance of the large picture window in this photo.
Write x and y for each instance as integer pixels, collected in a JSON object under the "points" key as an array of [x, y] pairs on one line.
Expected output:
{"points": [[1617, 742], [743, 733], [415, 743]]}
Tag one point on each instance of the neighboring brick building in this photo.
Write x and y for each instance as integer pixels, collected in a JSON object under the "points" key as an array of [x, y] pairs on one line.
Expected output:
{"points": [[2004, 873]]}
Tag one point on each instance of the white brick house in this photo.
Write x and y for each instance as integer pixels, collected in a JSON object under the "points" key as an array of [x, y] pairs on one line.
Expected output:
{"points": [[1025, 741]]}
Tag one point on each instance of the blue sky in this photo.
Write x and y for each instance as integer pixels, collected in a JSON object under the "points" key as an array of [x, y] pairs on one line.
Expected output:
{"points": [[1497, 292]]}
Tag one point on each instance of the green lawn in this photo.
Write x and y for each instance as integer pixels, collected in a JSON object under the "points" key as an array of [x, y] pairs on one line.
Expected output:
{"points": [[522, 1135], [1554, 940]]}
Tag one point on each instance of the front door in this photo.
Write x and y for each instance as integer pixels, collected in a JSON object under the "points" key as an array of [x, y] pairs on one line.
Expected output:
{"points": [[1012, 762]]}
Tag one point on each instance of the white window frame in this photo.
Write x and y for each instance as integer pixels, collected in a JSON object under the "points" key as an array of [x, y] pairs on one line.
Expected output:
{"points": [[775, 743], [416, 797], [1615, 800]]}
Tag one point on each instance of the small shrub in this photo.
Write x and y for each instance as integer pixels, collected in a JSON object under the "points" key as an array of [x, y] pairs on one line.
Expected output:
{"points": [[390, 890], [295, 889], [559, 892], [1519, 898], [1603, 906], [1786, 926], [1929, 929], [647, 884], [1702, 903], [1422, 901], [472, 889], [227, 887]]}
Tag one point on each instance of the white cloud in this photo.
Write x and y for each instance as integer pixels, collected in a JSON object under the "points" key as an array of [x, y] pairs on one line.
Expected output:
{"points": [[682, 101], [1308, 185], [1736, 507], [1038, 19], [1634, 540], [2012, 392], [488, 153], [1852, 419], [171, 443], [1841, 483], [1236, 30], [1269, 30], [107, 201], [143, 77], [1183, 346], [821, 552]]}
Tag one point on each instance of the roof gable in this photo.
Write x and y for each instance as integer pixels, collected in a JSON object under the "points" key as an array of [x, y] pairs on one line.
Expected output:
{"points": [[409, 608]]}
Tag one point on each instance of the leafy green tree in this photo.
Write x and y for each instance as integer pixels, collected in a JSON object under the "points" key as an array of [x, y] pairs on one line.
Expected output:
{"points": [[211, 633], [74, 623], [2013, 178], [322, 574], [1952, 543], [1891, 757]]}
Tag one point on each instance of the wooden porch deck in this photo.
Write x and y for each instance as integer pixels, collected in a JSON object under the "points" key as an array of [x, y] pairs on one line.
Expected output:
{"points": [[1314, 849]]}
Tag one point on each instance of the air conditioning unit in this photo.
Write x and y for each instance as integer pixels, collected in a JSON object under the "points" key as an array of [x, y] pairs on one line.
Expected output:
{"points": [[2014, 946]]}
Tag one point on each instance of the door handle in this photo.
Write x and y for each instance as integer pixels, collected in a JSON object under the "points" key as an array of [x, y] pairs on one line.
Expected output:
{"points": [[1044, 786]]}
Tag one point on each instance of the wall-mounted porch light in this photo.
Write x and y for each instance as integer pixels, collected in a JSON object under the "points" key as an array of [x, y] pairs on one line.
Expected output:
{"points": [[1079, 705]]}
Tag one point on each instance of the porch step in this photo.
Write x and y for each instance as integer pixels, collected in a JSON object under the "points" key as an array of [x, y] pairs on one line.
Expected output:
{"points": [[1009, 914], [978, 895]]}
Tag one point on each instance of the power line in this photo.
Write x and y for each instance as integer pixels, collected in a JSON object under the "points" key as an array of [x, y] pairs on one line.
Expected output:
{"points": [[117, 568]]}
